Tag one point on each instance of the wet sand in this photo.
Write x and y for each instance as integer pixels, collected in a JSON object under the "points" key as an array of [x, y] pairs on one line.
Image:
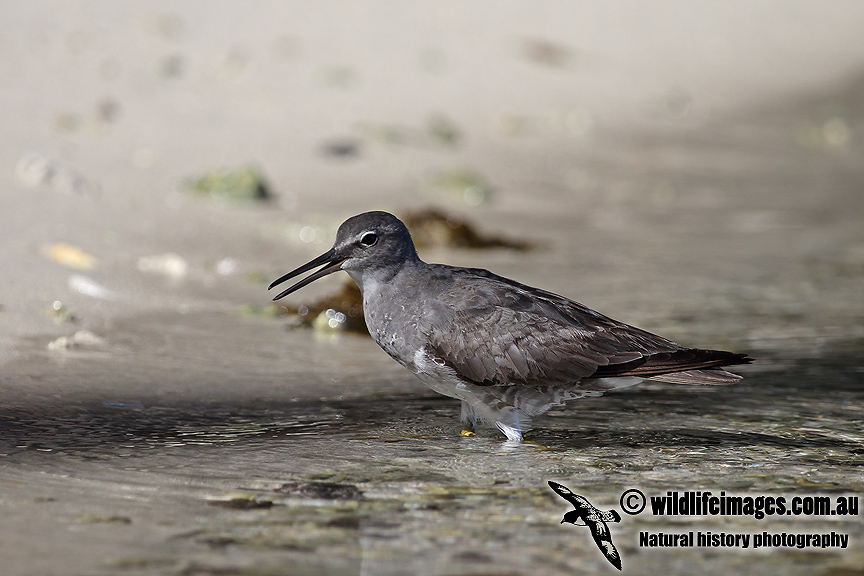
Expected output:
{"points": [[187, 436]]}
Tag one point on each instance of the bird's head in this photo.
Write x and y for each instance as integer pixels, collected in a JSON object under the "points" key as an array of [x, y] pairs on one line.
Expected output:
{"points": [[364, 243], [573, 517]]}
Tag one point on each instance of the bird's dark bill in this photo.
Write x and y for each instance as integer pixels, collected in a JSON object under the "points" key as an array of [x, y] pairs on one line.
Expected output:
{"points": [[331, 263]]}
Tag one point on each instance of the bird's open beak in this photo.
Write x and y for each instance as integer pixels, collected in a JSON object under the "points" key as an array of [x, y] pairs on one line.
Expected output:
{"points": [[329, 260]]}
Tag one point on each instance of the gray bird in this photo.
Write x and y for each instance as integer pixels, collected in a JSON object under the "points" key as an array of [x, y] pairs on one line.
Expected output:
{"points": [[508, 351]]}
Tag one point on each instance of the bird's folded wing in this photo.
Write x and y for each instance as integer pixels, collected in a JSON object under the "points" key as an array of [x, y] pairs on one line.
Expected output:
{"points": [[494, 331]]}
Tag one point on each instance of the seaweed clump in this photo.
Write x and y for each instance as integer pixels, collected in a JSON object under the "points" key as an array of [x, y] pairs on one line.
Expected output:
{"points": [[342, 311], [435, 228], [229, 185]]}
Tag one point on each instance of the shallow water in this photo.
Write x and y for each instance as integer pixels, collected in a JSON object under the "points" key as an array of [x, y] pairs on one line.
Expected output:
{"points": [[381, 483]]}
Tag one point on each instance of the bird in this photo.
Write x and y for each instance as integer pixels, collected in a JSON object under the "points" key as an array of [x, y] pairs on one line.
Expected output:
{"points": [[507, 351], [590, 516]]}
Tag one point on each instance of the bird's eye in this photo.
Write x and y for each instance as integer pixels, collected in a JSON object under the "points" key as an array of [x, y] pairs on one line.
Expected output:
{"points": [[369, 239]]}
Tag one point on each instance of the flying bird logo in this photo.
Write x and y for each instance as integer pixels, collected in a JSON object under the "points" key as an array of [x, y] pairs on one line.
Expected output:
{"points": [[585, 514]]}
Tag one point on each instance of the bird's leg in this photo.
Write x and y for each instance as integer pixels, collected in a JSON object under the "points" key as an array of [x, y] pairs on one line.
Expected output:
{"points": [[469, 417], [514, 435]]}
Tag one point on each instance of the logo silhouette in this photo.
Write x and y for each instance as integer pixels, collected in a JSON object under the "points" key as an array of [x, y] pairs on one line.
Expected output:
{"points": [[585, 514]]}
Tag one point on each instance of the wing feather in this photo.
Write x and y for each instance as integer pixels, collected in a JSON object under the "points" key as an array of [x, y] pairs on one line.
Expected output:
{"points": [[495, 331]]}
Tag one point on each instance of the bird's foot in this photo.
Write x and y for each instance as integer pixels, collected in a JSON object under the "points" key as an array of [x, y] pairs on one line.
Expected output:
{"points": [[467, 432], [535, 445]]}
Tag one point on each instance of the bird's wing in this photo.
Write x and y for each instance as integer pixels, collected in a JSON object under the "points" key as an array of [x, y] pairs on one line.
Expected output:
{"points": [[603, 538], [578, 501], [495, 331]]}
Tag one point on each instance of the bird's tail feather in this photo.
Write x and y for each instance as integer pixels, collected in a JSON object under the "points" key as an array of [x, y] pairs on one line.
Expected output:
{"points": [[712, 377]]}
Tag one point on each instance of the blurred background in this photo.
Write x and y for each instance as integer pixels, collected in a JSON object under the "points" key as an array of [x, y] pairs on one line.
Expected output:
{"points": [[667, 150], [696, 169]]}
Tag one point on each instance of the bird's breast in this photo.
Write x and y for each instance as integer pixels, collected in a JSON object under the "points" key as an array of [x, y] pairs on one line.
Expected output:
{"points": [[391, 325]]}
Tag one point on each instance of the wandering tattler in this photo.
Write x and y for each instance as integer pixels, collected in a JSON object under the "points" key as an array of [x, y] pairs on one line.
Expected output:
{"points": [[508, 351]]}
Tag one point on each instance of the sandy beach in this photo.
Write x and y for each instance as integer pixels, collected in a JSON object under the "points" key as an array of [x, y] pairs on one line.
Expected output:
{"points": [[695, 170]]}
